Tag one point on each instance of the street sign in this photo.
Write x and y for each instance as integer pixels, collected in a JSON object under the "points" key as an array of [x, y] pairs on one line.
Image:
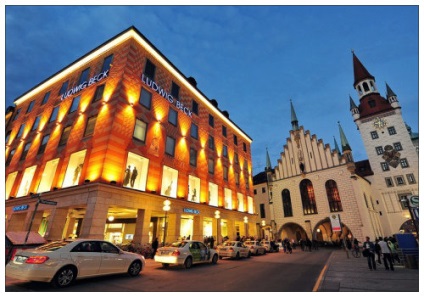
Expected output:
{"points": [[49, 202], [413, 200]]}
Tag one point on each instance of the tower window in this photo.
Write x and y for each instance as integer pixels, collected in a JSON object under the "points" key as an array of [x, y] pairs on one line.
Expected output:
{"points": [[366, 87], [411, 178], [389, 182], [399, 180], [397, 146], [384, 166], [392, 130], [379, 150], [371, 103], [404, 163], [374, 135]]}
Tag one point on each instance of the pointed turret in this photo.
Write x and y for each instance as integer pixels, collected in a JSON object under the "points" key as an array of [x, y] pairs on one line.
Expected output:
{"points": [[336, 146], [346, 151], [364, 82], [391, 97], [345, 143], [294, 122], [268, 162], [354, 109]]}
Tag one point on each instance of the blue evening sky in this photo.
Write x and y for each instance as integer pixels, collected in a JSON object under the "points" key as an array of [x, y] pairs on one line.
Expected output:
{"points": [[252, 59]]}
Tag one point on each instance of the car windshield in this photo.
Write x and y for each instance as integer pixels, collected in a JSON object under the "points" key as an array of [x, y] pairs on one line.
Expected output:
{"points": [[52, 246], [178, 244], [228, 243]]}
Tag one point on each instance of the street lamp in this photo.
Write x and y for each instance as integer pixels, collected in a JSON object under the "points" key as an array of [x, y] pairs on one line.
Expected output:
{"points": [[217, 217], [166, 208]]}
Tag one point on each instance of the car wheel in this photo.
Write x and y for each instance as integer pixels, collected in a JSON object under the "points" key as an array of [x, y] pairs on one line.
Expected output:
{"points": [[165, 265], [237, 256], [188, 263], [215, 259], [135, 268], [64, 277]]}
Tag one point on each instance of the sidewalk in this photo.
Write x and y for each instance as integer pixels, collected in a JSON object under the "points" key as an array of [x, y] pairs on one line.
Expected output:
{"points": [[351, 274]]}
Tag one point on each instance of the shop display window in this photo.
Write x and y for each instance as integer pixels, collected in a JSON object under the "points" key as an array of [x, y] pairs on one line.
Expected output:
{"points": [[207, 228], [73, 172], [240, 204], [186, 228], [48, 176], [249, 204], [9, 183], [169, 182], [26, 181], [213, 194], [228, 198], [135, 175], [193, 189]]}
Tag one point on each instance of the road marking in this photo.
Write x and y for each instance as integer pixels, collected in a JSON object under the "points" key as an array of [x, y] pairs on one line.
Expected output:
{"points": [[321, 275]]}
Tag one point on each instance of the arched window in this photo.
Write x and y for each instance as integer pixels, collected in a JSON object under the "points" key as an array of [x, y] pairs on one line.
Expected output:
{"points": [[308, 197], [366, 87], [287, 206], [333, 196]]}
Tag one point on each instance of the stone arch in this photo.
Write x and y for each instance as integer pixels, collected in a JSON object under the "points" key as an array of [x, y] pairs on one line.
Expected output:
{"points": [[322, 232], [291, 230]]}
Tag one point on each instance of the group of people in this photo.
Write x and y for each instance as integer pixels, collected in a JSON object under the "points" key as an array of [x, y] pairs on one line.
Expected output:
{"points": [[385, 248]]}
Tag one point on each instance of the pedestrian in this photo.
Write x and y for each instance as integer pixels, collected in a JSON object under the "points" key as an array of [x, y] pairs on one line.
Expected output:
{"points": [[212, 241], [155, 245], [368, 251], [387, 257], [395, 256], [378, 249]]}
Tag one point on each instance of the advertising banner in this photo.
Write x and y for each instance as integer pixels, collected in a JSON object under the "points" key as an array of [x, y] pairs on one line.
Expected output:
{"points": [[335, 222]]}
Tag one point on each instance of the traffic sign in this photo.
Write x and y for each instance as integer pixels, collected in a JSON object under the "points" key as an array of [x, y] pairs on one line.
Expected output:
{"points": [[413, 200], [49, 202]]}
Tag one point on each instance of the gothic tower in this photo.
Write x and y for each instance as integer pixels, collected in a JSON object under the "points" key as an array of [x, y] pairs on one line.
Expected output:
{"points": [[392, 155]]}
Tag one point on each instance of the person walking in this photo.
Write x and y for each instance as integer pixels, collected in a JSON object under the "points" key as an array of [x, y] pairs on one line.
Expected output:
{"points": [[387, 255], [155, 245], [378, 249], [369, 252]]}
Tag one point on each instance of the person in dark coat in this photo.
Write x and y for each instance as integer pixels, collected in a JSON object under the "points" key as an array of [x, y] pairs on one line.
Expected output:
{"points": [[155, 245]]}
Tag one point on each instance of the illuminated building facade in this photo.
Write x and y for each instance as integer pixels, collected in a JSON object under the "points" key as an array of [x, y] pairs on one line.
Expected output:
{"points": [[112, 136]]}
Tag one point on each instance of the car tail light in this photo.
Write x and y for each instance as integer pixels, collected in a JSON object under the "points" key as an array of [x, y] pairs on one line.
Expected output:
{"points": [[36, 259], [175, 253]]}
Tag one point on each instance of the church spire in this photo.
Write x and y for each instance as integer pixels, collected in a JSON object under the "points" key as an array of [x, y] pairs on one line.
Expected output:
{"points": [[364, 82], [345, 143], [336, 146], [391, 97], [354, 109], [294, 121], [268, 161]]}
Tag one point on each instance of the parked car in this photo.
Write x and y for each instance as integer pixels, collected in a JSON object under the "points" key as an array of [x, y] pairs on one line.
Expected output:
{"points": [[16, 240], [270, 246], [63, 262], [186, 253], [233, 249], [256, 248]]}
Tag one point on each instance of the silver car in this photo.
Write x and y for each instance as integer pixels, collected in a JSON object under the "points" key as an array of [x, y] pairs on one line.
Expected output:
{"points": [[233, 249]]}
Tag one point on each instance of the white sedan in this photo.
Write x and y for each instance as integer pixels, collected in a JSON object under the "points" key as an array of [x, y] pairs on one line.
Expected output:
{"points": [[233, 249], [256, 248], [62, 262], [186, 253]]}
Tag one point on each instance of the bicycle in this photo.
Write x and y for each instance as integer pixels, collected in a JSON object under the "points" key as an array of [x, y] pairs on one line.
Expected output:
{"points": [[356, 252]]}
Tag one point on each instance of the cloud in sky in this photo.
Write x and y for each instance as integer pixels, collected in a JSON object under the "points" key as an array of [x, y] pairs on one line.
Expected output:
{"points": [[251, 59]]}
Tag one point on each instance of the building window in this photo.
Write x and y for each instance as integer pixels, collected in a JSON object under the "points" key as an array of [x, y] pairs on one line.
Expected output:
{"points": [[195, 107], [374, 135], [411, 179], [235, 140], [403, 197], [193, 189], [10, 157], [107, 62], [194, 131], [16, 114], [140, 130], [36, 123], [308, 197], [255, 192], [225, 172], [84, 75], [397, 146], [371, 103], [173, 116], [244, 147], [135, 174], [65, 135], [392, 130], [53, 116], [211, 142], [21, 131], [263, 190], [193, 157], [211, 166], [399, 180], [43, 144], [74, 169], [63, 88], [262, 210], [75, 104], [384, 166], [31, 106], [145, 98], [149, 69], [170, 146], [333, 196], [25, 151], [287, 205], [236, 158], [45, 98], [225, 151], [211, 121], [379, 150], [98, 94], [175, 90], [237, 178], [404, 163], [224, 131], [389, 182], [91, 123]]}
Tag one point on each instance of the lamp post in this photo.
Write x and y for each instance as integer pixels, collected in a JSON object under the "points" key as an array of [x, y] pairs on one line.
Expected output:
{"points": [[166, 208], [217, 217]]}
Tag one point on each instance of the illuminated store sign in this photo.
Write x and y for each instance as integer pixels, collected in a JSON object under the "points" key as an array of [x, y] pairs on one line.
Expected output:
{"points": [[190, 210], [21, 207], [164, 94], [87, 83]]}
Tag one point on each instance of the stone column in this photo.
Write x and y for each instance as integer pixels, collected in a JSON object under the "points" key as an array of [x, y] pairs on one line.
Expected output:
{"points": [[56, 224], [142, 226], [198, 228], [93, 224]]}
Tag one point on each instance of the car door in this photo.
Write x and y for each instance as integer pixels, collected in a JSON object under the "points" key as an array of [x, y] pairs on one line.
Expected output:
{"points": [[86, 259], [112, 260], [195, 251]]}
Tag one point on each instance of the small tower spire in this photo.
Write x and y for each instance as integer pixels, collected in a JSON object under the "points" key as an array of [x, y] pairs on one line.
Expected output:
{"points": [[347, 151], [354, 109], [364, 82], [391, 97], [268, 162], [336, 146], [294, 122], [345, 143]]}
